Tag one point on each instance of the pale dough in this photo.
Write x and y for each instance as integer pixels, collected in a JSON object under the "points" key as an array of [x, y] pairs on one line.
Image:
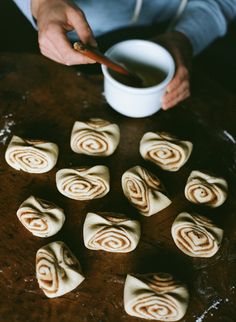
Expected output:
{"points": [[111, 232], [42, 218], [30, 155], [205, 189], [165, 150], [96, 137], [195, 235], [84, 183], [155, 296], [57, 269], [144, 190]]}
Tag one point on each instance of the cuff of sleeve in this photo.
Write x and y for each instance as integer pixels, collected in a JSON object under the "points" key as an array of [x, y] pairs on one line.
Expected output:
{"points": [[202, 25], [25, 7]]}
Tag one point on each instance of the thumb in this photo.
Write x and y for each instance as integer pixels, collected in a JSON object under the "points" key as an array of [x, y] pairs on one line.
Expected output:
{"points": [[79, 22]]}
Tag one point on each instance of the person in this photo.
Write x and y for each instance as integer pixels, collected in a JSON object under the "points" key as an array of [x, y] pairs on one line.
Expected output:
{"points": [[194, 25]]}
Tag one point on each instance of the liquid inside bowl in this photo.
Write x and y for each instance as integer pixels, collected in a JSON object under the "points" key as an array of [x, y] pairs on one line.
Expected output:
{"points": [[149, 74]]}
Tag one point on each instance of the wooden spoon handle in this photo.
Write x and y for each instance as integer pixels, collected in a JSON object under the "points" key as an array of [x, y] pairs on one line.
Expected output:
{"points": [[99, 58]]}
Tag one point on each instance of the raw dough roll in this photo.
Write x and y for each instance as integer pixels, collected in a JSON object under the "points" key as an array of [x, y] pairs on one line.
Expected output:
{"points": [[166, 151], [96, 137], [144, 190], [84, 183], [30, 155], [195, 235], [202, 188], [111, 232], [57, 269], [155, 296], [42, 218]]}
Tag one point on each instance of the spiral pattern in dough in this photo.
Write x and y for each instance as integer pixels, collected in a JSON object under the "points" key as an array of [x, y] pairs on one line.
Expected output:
{"points": [[83, 183], [157, 308], [47, 272], [96, 137], [164, 150], [110, 240], [202, 188], [40, 217], [155, 296], [32, 221], [91, 143], [31, 156], [57, 269], [144, 190], [195, 235], [111, 232]]}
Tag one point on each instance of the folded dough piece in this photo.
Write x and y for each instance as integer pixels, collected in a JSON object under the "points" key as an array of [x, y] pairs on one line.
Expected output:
{"points": [[42, 218], [111, 232], [144, 190], [195, 235], [57, 269], [84, 183], [96, 137], [205, 189], [155, 296], [30, 155], [165, 150]]}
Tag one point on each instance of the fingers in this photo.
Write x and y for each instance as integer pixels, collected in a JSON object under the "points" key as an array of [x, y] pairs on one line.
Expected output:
{"points": [[79, 22], [183, 86], [55, 45], [176, 99], [181, 49], [181, 75], [55, 19], [178, 89]]}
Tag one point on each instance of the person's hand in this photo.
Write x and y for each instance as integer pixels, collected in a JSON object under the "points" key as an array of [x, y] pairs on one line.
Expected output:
{"points": [[180, 48], [55, 18]]}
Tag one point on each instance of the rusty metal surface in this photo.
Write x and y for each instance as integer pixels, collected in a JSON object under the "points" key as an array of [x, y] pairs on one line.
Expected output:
{"points": [[41, 100]]}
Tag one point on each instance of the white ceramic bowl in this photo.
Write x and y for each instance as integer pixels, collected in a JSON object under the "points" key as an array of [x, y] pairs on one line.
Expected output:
{"points": [[131, 101]]}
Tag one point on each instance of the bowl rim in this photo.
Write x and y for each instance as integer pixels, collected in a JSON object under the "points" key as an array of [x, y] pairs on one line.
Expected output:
{"points": [[136, 90]]}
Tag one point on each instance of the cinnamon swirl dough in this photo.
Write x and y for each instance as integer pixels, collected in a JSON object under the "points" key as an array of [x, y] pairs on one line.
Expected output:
{"points": [[195, 235], [156, 297], [40, 217], [202, 188], [144, 190], [111, 232], [96, 137], [57, 269], [84, 183], [30, 155], [166, 151]]}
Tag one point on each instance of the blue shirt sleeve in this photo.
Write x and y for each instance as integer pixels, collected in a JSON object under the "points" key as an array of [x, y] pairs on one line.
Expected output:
{"points": [[205, 20], [25, 7], [202, 20]]}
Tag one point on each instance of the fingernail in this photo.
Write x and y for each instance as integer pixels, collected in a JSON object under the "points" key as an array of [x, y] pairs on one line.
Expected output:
{"points": [[164, 106]]}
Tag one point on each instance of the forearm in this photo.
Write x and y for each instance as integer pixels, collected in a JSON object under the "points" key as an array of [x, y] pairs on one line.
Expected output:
{"points": [[25, 7], [204, 21]]}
